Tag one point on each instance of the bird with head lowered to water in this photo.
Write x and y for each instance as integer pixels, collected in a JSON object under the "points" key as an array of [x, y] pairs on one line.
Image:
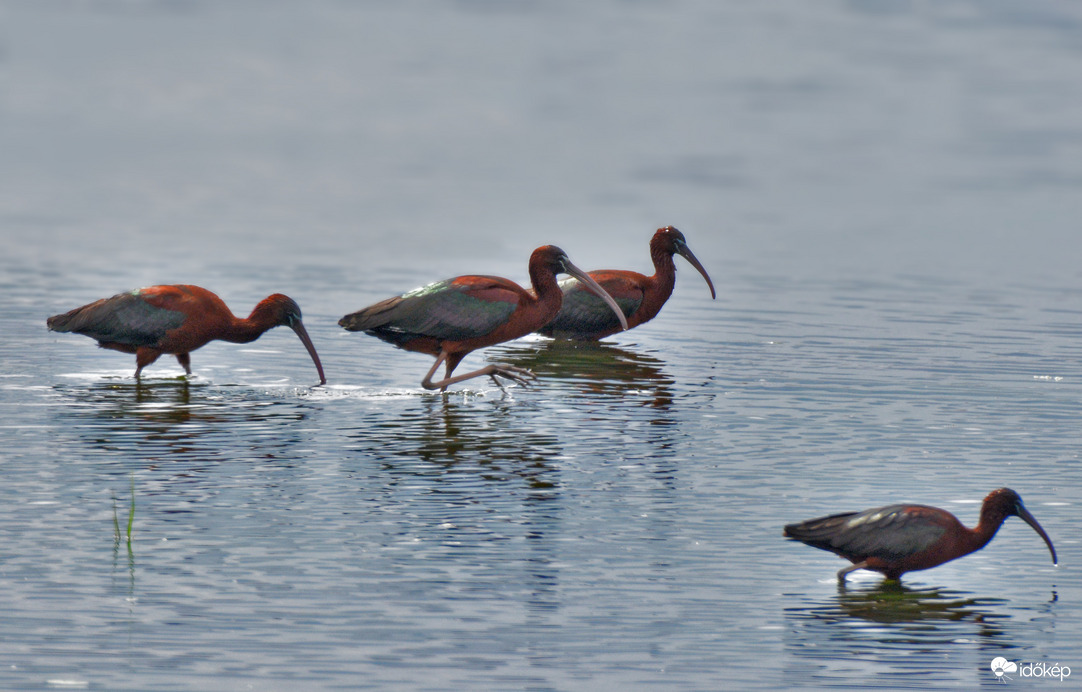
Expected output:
{"points": [[905, 538], [449, 319], [177, 319]]}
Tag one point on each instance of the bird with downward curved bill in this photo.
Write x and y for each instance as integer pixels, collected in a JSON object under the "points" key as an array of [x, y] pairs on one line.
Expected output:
{"points": [[178, 319], [583, 317], [905, 538], [449, 319]]}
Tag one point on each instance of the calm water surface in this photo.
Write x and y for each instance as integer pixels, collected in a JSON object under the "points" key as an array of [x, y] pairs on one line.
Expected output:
{"points": [[886, 197]]}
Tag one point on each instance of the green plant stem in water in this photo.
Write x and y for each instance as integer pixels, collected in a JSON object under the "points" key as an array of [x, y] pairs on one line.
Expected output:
{"points": [[131, 516], [131, 510]]}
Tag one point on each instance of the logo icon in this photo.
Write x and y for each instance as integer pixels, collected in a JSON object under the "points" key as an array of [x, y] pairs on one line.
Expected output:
{"points": [[1001, 666]]}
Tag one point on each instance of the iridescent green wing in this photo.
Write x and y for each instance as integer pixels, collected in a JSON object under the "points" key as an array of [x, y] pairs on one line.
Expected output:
{"points": [[455, 309], [123, 319], [584, 313]]}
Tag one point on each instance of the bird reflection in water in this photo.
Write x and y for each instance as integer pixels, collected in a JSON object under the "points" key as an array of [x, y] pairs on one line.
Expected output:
{"points": [[162, 400], [620, 384], [890, 602], [886, 629], [595, 368], [477, 481], [178, 421], [501, 450], [451, 436]]}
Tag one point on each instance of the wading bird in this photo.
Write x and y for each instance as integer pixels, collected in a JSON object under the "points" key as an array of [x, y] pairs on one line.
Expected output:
{"points": [[584, 317], [448, 319], [177, 319], [904, 538]]}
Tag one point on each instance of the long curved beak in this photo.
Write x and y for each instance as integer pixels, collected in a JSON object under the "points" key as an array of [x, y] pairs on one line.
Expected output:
{"points": [[1025, 516], [298, 326], [684, 251], [601, 293]]}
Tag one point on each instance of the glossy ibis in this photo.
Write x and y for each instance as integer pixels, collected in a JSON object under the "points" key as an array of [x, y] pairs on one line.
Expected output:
{"points": [[448, 319], [903, 538], [585, 318], [177, 319]]}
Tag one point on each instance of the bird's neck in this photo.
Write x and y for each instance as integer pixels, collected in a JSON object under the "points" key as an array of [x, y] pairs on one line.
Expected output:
{"points": [[248, 329], [990, 521], [548, 299], [664, 269], [242, 331], [545, 286]]}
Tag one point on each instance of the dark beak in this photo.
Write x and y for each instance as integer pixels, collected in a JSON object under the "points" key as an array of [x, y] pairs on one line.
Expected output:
{"points": [[601, 293], [685, 252], [298, 326], [1025, 516]]}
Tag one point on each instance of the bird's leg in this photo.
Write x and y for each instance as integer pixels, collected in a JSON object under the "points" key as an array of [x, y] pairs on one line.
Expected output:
{"points": [[427, 381], [185, 359], [851, 568], [511, 372], [516, 374], [450, 362], [520, 375], [144, 356]]}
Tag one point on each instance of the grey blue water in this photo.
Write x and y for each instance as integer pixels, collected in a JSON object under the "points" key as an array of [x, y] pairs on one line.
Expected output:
{"points": [[886, 196]]}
